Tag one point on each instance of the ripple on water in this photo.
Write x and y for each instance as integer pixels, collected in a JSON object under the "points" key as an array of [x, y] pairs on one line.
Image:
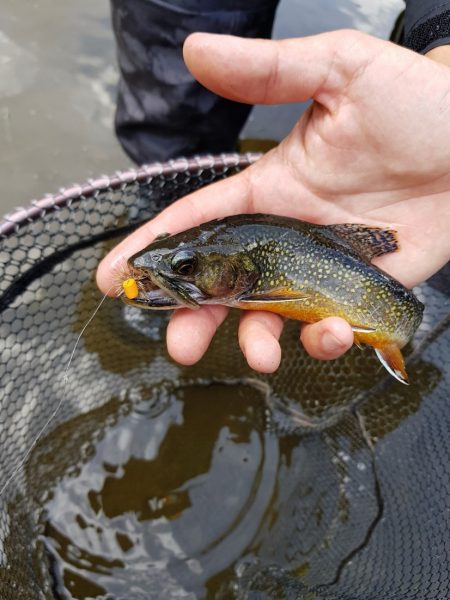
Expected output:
{"points": [[167, 499]]}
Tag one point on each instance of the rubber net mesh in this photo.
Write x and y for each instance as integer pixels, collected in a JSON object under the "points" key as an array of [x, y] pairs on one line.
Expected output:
{"points": [[325, 480]]}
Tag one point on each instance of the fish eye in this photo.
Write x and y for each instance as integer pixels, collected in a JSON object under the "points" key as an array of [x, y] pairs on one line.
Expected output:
{"points": [[184, 262]]}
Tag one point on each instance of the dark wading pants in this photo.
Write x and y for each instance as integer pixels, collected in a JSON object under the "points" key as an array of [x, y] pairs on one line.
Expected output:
{"points": [[162, 112]]}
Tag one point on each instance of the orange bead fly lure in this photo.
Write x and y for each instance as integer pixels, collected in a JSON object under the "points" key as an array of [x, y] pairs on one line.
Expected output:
{"points": [[126, 281], [130, 288]]}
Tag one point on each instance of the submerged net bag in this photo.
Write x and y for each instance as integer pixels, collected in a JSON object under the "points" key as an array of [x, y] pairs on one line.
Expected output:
{"points": [[152, 480]]}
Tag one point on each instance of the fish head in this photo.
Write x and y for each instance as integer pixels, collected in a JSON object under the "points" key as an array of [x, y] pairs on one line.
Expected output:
{"points": [[191, 273]]}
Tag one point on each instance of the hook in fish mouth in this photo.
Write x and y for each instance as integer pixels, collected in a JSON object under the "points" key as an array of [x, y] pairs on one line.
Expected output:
{"points": [[154, 300]]}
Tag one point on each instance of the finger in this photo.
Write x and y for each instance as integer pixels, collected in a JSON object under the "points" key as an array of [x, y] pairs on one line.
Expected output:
{"points": [[327, 339], [221, 199], [268, 72], [189, 332], [259, 333]]}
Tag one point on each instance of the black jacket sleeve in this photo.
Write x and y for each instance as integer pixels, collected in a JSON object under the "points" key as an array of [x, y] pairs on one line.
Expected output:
{"points": [[427, 24]]}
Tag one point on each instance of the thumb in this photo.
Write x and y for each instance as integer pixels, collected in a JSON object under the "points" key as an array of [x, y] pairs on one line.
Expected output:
{"points": [[267, 72]]}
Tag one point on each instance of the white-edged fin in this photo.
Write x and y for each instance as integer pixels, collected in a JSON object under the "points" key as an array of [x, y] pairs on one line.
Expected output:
{"points": [[161, 236], [392, 371], [271, 300], [267, 298], [357, 329]]}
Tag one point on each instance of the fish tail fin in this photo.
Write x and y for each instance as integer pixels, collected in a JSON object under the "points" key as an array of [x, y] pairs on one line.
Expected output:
{"points": [[391, 358]]}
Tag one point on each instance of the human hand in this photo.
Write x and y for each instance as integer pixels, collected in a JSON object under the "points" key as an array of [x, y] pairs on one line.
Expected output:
{"points": [[440, 54], [373, 148]]}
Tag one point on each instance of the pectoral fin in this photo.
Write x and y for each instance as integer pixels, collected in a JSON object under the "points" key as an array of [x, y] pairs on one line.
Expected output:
{"points": [[392, 360], [278, 295], [161, 236], [360, 329]]}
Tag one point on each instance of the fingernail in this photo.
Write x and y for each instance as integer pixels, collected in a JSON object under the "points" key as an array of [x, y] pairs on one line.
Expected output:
{"points": [[330, 343]]}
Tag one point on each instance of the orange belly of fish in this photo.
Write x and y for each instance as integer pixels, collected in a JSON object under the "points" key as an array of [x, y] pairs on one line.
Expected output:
{"points": [[389, 348]]}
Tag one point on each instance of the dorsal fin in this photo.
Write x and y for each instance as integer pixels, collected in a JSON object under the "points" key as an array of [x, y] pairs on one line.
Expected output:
{"points": [[366, 241]]}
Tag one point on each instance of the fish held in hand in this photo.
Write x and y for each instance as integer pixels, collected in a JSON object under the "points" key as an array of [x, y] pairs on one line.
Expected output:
{"points": [[296, 269]]}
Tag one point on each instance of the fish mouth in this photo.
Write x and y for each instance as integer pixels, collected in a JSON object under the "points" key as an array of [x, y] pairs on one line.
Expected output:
{"points": [[153, 300], [161, 291]]}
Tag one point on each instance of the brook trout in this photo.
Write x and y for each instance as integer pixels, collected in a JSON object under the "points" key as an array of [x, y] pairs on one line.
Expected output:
{"points": [[296, 269]]}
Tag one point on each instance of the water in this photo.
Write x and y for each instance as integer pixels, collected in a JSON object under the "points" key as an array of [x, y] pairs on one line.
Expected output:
{"points": [[174, 494], [58, 78], [171, 495]]}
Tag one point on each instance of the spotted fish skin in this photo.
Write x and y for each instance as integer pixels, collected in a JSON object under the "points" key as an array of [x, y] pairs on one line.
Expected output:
{"points": [[299, 270]]}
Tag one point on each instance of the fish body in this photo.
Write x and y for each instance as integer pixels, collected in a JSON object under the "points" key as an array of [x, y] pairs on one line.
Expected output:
{"points": [[296, 269]]}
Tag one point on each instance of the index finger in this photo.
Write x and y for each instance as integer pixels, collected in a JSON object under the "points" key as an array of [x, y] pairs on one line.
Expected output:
{"points": [[215, 201]]}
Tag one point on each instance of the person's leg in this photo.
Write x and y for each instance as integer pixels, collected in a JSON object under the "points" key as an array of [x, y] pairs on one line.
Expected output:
{"points": [[162, 112]]}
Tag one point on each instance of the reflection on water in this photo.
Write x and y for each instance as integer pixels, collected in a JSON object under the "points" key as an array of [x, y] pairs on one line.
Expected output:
{"points": [[184, 487], [175, 498], [170, 500]]}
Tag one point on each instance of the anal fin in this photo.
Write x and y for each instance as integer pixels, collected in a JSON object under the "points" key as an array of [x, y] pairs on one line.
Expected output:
{"points": [[357, 329], [391, 358]]}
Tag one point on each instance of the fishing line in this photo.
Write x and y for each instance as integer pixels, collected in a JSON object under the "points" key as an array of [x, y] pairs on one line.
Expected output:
{"points": [[23, 460]]}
